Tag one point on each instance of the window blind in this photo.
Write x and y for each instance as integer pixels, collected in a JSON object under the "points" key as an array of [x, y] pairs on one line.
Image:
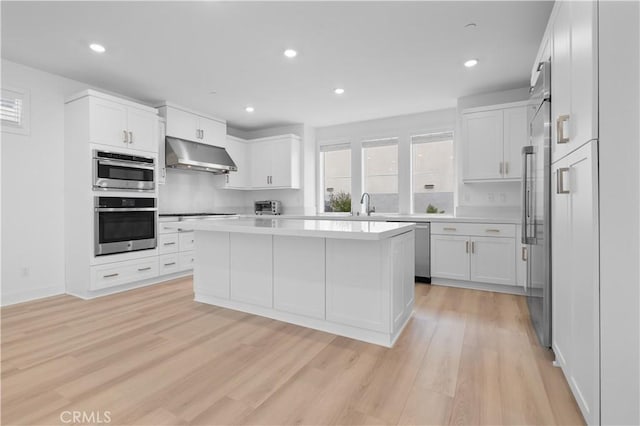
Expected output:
{"points": [[335, 147], [432, 137], [379, 142]]}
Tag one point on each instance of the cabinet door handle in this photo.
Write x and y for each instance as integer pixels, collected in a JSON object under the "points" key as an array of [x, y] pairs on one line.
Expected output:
{"points": [[449, 229], [560, 180], [506, 168], [110, 275], [227, 178], [124, 137], [473, 247], [169, 264], [169, 244], [130, 137], [523, 255], [501, 168], [560, 128], [144, 269], [466, 246], [493, 230], [201, 133]]}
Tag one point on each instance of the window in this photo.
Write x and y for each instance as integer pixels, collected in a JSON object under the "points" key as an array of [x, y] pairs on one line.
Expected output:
{"points": [[14, 111], [380, 160], [433, 180], [336, 177]]}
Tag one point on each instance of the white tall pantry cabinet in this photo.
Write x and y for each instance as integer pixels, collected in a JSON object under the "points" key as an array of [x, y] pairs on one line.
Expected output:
{"points": [[572, 38]]}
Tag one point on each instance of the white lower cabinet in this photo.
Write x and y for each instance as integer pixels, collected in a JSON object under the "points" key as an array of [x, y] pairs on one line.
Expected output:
{"points": [[576, 287], [298, 275], [356, 295], [212, 260], [168, 243], [251, 268], [450, 257], [187, 260], [493, 260], [168, 263], [482, 253], [119, 273]]}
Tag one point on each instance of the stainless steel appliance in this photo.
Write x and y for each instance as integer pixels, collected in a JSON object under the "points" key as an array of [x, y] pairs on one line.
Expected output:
{"points": [[188, 155], [536, 207], [268, 207], [117, 171], [123, 224]]}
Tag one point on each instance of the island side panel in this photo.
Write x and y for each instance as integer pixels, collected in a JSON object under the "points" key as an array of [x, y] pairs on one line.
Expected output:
{"points": [[357, 283], [252, 268], [403, 280], [211, 269], [299, 275]]}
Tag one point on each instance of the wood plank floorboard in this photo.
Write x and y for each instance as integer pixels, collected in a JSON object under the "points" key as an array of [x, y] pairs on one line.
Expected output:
{"points": [[153, 356]]}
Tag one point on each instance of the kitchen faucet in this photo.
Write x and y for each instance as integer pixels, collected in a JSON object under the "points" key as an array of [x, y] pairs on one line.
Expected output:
{"points": [[368, 209]]}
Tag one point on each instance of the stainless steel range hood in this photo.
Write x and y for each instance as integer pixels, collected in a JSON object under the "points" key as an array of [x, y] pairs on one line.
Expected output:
{"points": [[188, 155]]}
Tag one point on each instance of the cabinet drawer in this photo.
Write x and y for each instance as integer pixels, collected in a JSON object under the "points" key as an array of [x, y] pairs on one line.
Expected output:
{"points": [[474, 229], [120, 273], [187, 260], [168, 243], [187, 241], [163, 230], [168, 263]]}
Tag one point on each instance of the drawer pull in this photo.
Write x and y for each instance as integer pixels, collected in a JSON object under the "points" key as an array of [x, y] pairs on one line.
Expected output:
{"points": [[144, 269], [449, 229], [170, 263], [110, 275], [170, 244], [493, 230]]}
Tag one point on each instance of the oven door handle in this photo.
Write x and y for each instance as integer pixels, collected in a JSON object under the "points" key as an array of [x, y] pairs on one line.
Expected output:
{"points": [[131, 164], [125, 209]]}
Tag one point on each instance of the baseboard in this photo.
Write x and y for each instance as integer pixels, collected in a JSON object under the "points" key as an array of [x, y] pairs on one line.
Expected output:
{"points": [[30, 295], [472, 285], [126, 287]]}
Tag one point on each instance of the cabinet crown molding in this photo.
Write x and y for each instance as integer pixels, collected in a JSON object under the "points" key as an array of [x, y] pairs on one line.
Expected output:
{"points": [[112, 98], [496, 106], [167, 104]]}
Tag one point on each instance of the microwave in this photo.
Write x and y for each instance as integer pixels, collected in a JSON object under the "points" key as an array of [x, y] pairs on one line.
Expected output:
{"points": [[115, 171], [268, 207]]}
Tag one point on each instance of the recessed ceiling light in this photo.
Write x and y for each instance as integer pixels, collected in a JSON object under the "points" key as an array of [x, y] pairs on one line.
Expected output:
{"points": [[97, 48], [338, 90], [471, 63], [249, 109], [290, 53]]}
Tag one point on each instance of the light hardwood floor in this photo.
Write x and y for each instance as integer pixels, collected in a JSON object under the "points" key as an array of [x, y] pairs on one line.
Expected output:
{"points": [[153, 356]]}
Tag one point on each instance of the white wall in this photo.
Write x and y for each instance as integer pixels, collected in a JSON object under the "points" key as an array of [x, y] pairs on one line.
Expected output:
{"points": [[619, 157], [402, 127], [32, 189], [501, 198]]}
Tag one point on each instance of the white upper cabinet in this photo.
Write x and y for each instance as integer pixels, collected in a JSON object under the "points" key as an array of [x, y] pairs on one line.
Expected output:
{"points": [[492, 139], [238, 150], [275, 162], [573, 76], [121, 123], [188, 125]]}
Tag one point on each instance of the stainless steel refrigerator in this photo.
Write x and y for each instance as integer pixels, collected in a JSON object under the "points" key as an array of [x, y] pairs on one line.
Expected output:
{"points": [[536, 206]]}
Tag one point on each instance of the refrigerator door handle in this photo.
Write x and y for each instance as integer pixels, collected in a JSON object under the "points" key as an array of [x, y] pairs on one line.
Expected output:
{"points": [[526, 151]]}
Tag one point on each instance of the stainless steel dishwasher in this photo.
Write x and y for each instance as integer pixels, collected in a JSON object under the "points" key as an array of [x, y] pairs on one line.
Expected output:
{"points": [[423, 251]]}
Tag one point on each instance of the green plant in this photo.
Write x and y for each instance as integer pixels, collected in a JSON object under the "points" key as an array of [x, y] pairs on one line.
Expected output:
{"points": [[340, 202], [433, 209]]}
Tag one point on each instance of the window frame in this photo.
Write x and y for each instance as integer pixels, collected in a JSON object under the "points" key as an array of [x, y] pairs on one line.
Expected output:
{"points": [[24, 95]]}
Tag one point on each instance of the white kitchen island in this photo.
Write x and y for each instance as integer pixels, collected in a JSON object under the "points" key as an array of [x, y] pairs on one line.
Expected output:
{"points": [[354, 279]]}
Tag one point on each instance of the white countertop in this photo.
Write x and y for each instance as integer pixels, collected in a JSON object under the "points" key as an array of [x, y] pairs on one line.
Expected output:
{"points": [[382, 217], [340, 229]]}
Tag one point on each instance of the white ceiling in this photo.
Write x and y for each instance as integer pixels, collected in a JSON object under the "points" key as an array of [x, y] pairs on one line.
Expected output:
{"points": [[392, 58]]}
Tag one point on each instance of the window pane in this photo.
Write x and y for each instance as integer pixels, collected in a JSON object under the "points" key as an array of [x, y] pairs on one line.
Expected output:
{"points": [[433, 183], [337, 180], [381, 175]]}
